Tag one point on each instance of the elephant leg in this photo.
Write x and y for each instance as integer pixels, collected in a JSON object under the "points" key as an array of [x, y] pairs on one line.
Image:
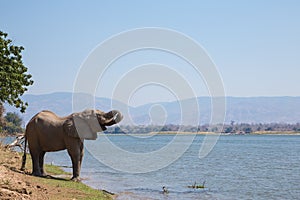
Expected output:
{"points": [[81, 154], [75, 157], [35, 156], [75, 151], [41, 163]]}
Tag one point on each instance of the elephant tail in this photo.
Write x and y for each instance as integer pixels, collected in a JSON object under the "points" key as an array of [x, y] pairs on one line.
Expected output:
{"points": [[24, 155]]}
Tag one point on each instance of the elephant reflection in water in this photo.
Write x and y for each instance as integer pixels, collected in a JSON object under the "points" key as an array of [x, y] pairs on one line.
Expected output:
{"points": [[47, 132]]}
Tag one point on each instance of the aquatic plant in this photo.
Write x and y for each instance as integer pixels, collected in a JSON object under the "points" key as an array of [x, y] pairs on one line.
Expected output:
{"points": [[195, 186]]}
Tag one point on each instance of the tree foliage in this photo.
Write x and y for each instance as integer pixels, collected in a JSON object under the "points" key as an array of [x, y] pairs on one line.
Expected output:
{"points": [[14, 78], [13, 123], [13, 118]]}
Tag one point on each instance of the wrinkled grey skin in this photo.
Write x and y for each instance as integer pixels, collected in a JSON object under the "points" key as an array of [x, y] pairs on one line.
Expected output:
{"points": [[47, 132]]}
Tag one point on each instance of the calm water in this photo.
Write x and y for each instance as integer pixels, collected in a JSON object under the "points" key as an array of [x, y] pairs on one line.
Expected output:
{"points": [[239, 167]]}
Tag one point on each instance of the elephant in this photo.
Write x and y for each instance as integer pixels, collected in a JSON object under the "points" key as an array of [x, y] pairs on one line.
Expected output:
{"points": [[47, 132]]}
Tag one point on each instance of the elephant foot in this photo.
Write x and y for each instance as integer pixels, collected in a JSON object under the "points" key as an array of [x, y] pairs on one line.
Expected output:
{"points": [[36, 174], [39, 174], [76, 179]]}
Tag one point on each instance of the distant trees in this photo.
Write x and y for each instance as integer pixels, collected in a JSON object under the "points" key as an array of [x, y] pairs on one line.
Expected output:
{"points": [[231, 128], [228, 129], [14, 78], [11, 123], [13, 118]]}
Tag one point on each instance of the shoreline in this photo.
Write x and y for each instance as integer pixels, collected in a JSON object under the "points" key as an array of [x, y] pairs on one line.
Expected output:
{"points": [[16, 184], [203, 133], [185, 133]]}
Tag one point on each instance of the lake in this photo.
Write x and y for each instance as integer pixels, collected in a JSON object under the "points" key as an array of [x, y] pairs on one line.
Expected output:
{"points": [[238, 167]]}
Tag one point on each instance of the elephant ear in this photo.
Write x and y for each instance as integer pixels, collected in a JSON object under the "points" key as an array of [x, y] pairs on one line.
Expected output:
{"points": [[70, 129], [83, 125]]}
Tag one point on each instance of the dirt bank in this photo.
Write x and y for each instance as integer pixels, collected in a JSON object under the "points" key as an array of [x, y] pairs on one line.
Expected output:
{"points": [[15, 184]]}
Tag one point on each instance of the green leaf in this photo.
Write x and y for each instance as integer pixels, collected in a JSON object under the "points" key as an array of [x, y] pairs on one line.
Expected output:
{"points": [[14, 78]]}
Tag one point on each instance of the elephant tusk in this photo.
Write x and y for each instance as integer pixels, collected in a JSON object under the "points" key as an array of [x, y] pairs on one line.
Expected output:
{"points": [[115, 117]]}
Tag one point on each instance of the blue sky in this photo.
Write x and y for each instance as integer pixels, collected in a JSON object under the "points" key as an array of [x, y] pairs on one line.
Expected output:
{"points": [[254, 44]]}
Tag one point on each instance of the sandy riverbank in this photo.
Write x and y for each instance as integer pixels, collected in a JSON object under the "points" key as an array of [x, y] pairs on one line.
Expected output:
{"points": [[15, 184]]}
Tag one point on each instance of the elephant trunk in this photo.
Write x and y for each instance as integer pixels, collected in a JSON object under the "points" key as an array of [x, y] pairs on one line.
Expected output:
{"points": [[111, 118]]}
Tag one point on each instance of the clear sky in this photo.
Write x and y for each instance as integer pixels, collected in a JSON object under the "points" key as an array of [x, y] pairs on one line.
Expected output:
{"points": [[254, 44]]}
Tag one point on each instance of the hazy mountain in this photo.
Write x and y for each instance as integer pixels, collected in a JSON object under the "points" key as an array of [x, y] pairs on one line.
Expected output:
{"points": [[238, 109], [60, 103]]}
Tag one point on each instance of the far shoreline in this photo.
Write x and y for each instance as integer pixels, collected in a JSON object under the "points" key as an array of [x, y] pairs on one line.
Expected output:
{"points": [[203, 133]]}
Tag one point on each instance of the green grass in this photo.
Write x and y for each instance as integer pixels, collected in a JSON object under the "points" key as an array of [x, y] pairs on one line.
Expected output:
{"points": [[88, 192], [55, 170], [50, 169], [79, 190]]}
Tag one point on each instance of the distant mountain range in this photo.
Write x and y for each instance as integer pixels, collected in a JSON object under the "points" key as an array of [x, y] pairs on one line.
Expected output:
{"points": [[238, 109]]}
